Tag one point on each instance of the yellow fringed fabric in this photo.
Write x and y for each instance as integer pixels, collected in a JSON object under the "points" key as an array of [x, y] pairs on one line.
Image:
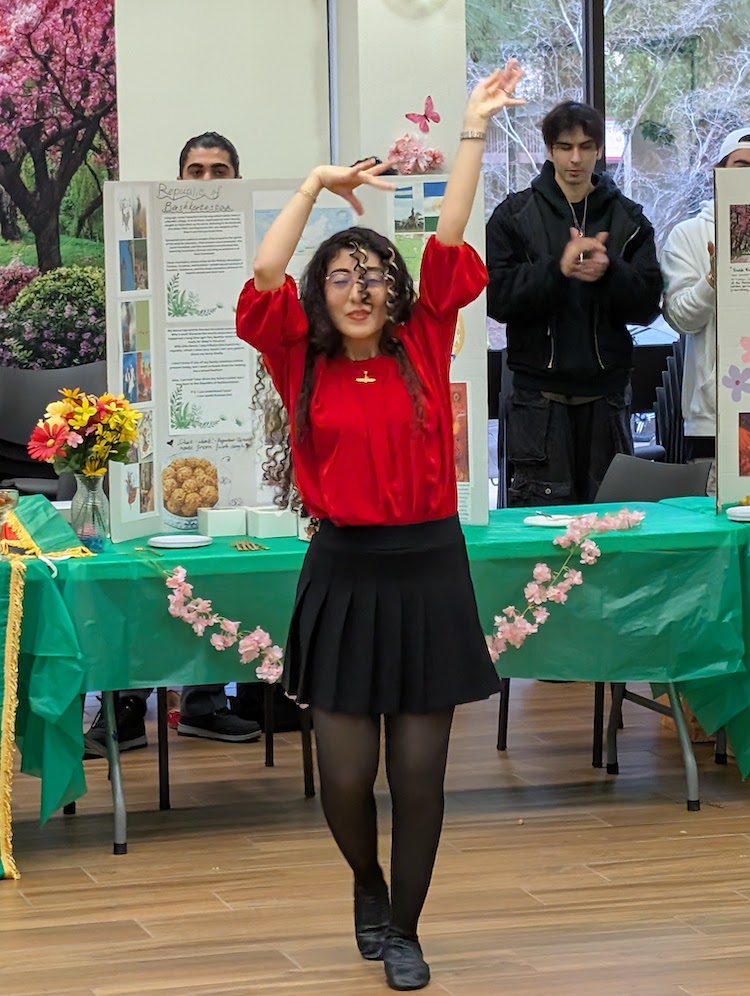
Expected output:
{"points": [[10, 706], [25, 546]]}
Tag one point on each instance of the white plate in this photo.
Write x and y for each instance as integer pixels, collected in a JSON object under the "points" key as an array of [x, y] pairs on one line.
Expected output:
{"points": [[553, 521], [176, 541], [739, 513]]}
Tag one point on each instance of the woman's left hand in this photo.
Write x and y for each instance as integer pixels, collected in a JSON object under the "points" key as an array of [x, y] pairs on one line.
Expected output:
{"points": [[490, 95]]}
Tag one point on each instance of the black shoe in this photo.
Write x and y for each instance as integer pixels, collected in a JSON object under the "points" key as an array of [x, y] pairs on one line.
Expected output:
{"points": [[250, 704], [372, 916], [405, 968], [131, 728], [220, 725]]}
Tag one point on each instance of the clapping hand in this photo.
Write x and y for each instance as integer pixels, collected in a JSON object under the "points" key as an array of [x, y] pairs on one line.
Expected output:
{"points": [[585, 258]]}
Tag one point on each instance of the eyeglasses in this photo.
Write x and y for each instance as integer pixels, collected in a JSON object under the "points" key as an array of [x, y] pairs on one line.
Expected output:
{"points": [[342, 280]]}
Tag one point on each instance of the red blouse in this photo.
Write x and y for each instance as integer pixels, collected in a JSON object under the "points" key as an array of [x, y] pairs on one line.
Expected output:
{"points": [[365, 460]]}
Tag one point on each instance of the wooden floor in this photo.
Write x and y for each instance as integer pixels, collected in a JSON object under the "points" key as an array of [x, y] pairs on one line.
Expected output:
{"points": [[552, 877]]}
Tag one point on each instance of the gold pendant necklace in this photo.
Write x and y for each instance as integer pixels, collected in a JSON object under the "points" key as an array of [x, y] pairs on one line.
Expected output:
{"points": [[365, 379]]}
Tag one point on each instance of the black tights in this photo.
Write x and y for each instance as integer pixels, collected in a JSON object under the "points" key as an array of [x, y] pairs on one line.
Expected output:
{"points": [[416, 749]]}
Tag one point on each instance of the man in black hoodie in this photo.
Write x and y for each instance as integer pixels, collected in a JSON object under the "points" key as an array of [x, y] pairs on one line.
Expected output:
{"points": [[571, 261]]}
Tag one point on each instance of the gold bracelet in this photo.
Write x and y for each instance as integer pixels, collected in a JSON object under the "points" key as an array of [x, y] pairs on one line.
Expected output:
{"points": [[473, 134], [313, 197]]}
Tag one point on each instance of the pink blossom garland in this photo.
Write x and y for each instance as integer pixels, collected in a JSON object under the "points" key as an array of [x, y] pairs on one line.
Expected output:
{"points": [[410, 155], [199, 613], [513, 627]]}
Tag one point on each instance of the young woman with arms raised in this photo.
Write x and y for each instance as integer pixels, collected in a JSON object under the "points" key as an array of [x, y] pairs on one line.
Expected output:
{"points": [[385, 622]]}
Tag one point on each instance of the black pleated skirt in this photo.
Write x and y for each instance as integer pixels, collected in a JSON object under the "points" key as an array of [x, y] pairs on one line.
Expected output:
{"points": [[385, 622]]}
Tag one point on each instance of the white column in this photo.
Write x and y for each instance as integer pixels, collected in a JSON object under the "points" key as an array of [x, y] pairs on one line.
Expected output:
{"points": [[390, 55], [253, 70]]}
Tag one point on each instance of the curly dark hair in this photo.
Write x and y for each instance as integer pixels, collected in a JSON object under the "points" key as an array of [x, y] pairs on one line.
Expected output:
{"points": [[324, 339]]}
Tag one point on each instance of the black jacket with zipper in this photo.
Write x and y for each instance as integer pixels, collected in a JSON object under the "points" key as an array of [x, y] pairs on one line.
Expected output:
{"points": [[564, 335]]}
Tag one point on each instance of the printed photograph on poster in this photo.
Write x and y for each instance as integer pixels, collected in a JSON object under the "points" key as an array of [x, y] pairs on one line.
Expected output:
{"points": [[124, 215], [132, 487], [209, 380], [460, 408], [416, 211], [142, 326], [204, 473], [143, 376], [409, 222], [739, 233], [140, 223], [129, 376], [433, 192], [128, 326], [205, 264], [147, 500], [127, 266], [744, 444], [140, 263], [326, 218], [146, 433]]}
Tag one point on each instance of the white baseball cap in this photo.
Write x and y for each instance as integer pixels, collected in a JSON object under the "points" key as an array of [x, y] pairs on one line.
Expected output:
{"points": [[733, 142]]}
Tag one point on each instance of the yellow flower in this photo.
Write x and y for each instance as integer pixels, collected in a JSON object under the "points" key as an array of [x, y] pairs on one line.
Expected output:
{"points": [[70, 393], [84, 411], [61, 408], [92, 468], [55, 420]]}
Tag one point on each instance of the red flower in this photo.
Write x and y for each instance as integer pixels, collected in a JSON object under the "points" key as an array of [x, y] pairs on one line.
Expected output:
{"points": [[47, 439]]}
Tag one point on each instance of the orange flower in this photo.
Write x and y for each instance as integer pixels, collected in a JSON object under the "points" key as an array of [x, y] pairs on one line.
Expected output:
{"points": [[47, 439]]}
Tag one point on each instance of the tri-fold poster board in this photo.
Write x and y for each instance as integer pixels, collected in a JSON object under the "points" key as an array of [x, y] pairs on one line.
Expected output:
{"points": [[177, 255], [732, 209]]}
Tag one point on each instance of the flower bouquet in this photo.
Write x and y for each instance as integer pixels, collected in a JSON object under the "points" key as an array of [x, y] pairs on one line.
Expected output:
{"points": [[80, 434]]}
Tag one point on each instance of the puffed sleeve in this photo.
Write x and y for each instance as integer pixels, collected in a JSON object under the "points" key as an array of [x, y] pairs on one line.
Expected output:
{"points": [[450, 278], [274, 323]]}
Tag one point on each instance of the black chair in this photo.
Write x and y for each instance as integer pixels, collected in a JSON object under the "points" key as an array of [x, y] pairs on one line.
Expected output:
{"points": [[24, 394], [631, 479]]}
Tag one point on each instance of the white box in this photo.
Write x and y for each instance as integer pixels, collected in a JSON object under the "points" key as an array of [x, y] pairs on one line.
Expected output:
{"points": [[265, 521], [222, 521], [63, 507]]}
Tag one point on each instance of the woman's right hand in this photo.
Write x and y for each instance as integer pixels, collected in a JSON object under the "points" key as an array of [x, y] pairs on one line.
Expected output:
{"points": [[344, 180]]}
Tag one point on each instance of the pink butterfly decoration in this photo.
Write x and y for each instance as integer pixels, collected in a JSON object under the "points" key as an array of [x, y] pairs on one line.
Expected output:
{"points": [[423, 120]]}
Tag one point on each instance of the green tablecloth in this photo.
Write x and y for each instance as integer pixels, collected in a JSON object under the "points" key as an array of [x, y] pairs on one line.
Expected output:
{"points": [[668, 601], [42, 676]]}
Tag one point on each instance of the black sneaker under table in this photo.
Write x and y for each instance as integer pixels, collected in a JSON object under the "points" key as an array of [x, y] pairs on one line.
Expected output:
{"points": [[220, 725], [131, 728]]}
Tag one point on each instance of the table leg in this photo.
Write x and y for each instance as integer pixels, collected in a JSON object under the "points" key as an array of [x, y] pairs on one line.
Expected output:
{"points": [[307, 758], [613, 725], [163, 734], [688, 757], [115, 774], [720, 754], [268, 722], [598, 743], [502, 717]]}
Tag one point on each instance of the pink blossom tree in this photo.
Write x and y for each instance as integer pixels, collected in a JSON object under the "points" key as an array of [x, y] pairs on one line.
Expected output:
{"points": [[57, 105]]}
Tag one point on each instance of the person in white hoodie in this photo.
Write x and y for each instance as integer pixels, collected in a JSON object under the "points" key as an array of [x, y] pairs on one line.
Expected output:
{"points": [[688, 266]]}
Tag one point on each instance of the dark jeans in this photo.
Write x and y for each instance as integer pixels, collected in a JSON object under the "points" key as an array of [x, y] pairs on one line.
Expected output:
{"points": [[700, 448], [559, 452]]}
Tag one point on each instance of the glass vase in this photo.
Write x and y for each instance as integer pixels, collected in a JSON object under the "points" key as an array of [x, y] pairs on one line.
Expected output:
{"points": [[89, 512]]}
